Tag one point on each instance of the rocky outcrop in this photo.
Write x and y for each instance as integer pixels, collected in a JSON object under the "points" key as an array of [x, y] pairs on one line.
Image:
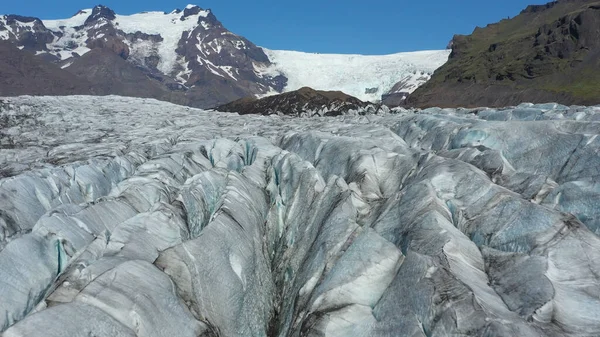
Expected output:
{"points": [[27, 32], [400, 91], [302, 102], [100, 13], [547, 53]]}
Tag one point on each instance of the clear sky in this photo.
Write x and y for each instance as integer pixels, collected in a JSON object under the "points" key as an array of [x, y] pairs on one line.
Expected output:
{"points": [[322, 26]]}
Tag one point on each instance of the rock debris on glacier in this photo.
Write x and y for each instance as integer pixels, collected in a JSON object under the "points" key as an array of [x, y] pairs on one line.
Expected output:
{"points": [[133, 217]]}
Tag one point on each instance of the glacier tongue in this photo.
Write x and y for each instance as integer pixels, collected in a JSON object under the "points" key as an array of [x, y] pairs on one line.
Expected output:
{"points": [[366, 77], [133, 217]]}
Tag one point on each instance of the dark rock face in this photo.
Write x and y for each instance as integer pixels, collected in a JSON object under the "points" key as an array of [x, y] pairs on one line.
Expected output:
{"points": [[394, 99], [13, 19], [112, 75], [27, 32], [143, 36], [112, 39], [547, 53], [299, 102], [100, 12], [189, 11], [21, 73], [400, 91]]}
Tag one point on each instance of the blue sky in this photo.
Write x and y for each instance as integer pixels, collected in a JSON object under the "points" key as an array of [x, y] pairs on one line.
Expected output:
{"points": [[323, 26]]}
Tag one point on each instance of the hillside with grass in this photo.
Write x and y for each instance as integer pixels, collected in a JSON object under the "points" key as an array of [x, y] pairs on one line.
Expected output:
{"points": [[547, 53]]}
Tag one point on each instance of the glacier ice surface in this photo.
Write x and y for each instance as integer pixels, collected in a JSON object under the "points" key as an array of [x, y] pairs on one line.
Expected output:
{"points": [[133, 217]]}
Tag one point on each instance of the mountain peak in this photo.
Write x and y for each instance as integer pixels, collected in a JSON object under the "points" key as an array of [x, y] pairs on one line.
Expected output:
{"points": [[101, 7], [101, 12], [194, 10]]}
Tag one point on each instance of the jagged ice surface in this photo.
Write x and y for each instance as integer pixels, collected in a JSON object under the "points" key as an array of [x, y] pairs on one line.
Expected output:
{"points": [[133, 217]]}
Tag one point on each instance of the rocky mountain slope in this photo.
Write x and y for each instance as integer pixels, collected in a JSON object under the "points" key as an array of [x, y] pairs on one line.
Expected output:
{"points": [[112, 75], [21, 73], [188, 57], [547, 53], [302, 102]]}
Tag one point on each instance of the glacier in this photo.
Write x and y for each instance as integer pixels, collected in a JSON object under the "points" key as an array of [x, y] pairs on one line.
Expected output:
{"points": [[366, 77], [134, 217]]}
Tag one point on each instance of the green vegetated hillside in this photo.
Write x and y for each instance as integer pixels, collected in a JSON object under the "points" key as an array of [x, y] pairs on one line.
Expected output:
{"points": [[547, 53]]}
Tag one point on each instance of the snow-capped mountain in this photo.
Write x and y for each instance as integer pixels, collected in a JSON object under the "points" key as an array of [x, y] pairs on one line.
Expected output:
{"points": [[187, 50], [189, 57]]}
